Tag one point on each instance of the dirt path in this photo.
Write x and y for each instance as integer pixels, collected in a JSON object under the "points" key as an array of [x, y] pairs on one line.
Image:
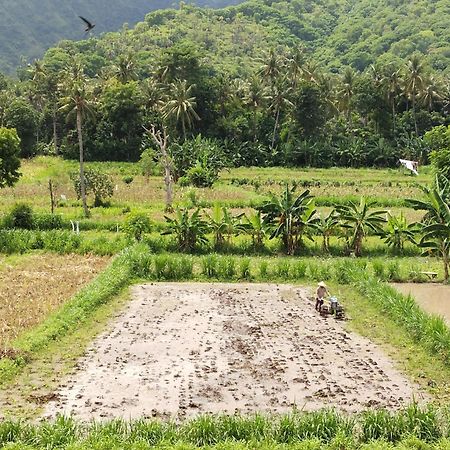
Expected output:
{"points": [[184, 348]]}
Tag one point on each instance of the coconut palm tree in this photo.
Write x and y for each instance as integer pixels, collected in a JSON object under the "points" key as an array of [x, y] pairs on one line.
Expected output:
{"points": [[431, 93], [393, 88], [346, 92], [279, 100], [181, 105], [77, 100], [270, 70], [414, 82], [359, 220]]}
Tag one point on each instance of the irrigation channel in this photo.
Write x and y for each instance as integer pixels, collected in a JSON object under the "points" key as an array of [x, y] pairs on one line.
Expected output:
{"points": [[432, 297], [180, 349]]}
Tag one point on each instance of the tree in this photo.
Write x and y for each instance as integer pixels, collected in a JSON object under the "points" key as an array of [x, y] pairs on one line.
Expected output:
{"points": [[20, 115], [326, 225], [9, 157], [414, 82], [190, 230], [180, 106], [161, 139], [95, 182], [76, 100], [397, 232], [279, 100], [359, 220], [438, 140]]}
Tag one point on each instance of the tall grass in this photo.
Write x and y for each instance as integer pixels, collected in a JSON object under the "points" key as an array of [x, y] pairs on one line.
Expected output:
{"points": [[325, 429]]}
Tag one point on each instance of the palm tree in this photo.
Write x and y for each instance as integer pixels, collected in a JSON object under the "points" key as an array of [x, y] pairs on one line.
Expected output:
{"points": [[279, 100], [291, 217], [414, 82], [181, 104], [393, 88], [359, 220], [346, 92], [76, 100], [270, 70], [436, 222], [125, 69], [431, 93], [254, 97], [295, 63]]}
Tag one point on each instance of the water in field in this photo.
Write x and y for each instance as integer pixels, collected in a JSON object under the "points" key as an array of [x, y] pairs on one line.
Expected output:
{"points": [[434, 298]]}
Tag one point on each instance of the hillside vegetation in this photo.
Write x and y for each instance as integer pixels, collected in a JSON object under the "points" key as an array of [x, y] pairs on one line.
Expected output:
{"points": [[28, 27]]}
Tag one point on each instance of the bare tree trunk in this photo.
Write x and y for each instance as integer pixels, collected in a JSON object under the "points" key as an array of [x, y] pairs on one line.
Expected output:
{"points": [[82, 179], [275, 128], [55, 133], [52, 196], [161, 140]]}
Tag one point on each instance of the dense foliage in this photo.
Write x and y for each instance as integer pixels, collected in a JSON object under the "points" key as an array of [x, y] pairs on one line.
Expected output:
{"points": [[201, 71], [28, 28]]}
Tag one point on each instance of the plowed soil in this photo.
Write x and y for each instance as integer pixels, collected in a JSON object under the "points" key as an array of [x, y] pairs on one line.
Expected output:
{"points": [[180, 349]]}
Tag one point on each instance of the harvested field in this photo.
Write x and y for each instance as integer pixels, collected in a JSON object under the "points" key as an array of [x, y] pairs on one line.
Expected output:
{"points": [[32, 286], [180, 349]]}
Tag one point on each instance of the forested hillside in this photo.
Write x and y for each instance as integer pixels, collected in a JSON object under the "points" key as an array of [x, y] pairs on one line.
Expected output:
{"points": [[29, 27], [258, 84]]}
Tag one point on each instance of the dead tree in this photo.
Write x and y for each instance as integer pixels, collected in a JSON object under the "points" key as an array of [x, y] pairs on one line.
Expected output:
{"points": [[161, 139]]}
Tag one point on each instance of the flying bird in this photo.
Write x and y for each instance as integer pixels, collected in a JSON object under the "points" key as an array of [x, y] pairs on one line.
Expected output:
{"points": [[89, 25]]}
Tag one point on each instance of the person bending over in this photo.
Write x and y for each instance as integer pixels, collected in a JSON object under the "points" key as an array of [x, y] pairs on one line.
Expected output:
{"points": [[321, 292]]}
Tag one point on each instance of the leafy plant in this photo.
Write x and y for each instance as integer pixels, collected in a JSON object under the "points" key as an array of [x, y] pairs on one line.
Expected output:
{"points": [[359, 220], [189, 229], [291, 217], [97, 183], [397, 232], [136, 225]]}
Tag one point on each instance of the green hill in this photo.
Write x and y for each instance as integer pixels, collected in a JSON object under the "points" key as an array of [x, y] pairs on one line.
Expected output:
{"points": [[29, 27], [335, 33]]}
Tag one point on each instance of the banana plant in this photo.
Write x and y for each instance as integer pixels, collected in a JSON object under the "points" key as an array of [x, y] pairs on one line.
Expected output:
{"points": [[326, 225], [189, 229], [360, 220], [398, 231], [436, 222], [291, 217], [224, 225]]}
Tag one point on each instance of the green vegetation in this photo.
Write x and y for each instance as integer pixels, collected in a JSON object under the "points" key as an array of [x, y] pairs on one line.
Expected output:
{"points": [[413, 427]]}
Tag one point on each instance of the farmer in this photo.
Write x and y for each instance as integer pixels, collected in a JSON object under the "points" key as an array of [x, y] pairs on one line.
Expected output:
{"points": [[321, 292]]}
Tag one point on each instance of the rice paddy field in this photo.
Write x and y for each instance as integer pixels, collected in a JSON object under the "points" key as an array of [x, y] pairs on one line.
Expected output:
{"points": [[141, 345]]}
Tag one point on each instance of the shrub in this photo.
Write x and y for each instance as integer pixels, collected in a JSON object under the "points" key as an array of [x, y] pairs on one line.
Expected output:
{"points": [[20, 216], [48, 221], [97, 183], [136, 225]]}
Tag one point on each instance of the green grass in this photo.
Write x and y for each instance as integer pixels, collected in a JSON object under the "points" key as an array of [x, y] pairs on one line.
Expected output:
{"points": [[413, 427], [388, 187]]}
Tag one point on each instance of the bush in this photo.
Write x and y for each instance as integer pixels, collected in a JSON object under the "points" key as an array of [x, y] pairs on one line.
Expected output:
{"points": [[20, 216], [198, 176], [136, 225], [48, 221], [97, 183]]}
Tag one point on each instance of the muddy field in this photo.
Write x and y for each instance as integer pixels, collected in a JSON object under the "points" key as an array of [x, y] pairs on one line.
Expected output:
{"points": [[180, 349], [432, 297]]}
